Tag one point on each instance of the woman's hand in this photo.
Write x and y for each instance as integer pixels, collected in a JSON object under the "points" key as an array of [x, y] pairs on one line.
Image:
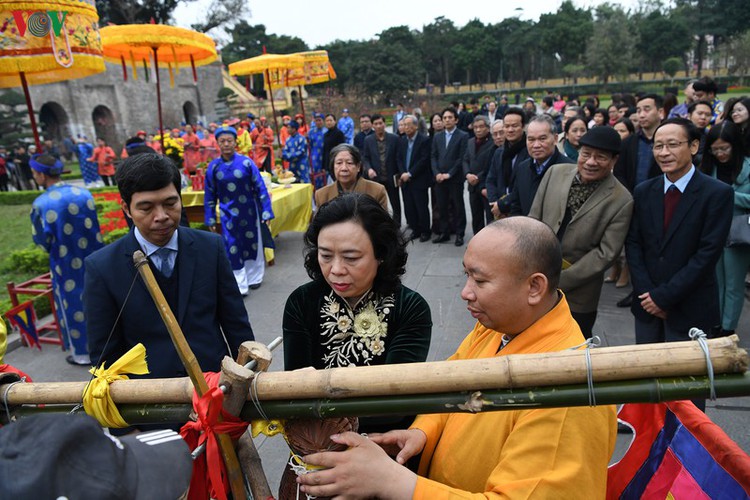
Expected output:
{"points": [[362, 471]]}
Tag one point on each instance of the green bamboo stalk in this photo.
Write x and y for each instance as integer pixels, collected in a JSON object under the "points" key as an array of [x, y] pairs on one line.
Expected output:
{"points": [[635, 391]]}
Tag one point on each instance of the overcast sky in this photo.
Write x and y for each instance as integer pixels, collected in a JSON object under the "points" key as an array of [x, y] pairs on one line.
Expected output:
{"points": [[322, 21]]}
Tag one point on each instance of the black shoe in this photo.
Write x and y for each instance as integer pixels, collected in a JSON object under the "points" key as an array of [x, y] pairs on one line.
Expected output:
{"points": [[441, 239], [627, 301], [72, 361], [413, 236], [255, 286], [424, 237], [459, 241]]}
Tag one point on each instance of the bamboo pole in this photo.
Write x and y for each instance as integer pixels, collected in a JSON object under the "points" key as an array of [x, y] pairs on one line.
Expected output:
{"points": [[189, 361], [633, 391], [675, 359]]}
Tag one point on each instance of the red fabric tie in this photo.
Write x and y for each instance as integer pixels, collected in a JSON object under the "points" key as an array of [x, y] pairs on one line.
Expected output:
{"points": [[671, 199], [209, 471]]}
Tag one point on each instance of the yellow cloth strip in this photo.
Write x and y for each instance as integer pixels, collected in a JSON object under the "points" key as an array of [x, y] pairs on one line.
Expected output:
{"points": [[97, 400], [171, 76]]}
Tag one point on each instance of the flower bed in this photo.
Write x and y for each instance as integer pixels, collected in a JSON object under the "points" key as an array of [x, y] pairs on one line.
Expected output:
{"points": [[109, 212]]}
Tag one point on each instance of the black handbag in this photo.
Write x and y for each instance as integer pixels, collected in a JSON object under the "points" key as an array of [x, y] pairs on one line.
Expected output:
{"points": [[739, 232]]}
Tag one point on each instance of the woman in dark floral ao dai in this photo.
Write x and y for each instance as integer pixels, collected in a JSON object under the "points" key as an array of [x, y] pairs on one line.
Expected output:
{"points": [[355, 311]]}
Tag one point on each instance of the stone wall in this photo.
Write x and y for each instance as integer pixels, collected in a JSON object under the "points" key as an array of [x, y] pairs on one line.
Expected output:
{"points": [[106, 105]]}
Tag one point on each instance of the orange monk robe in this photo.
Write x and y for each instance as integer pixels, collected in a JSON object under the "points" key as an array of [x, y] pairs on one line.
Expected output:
{"points": [[541, 453]]}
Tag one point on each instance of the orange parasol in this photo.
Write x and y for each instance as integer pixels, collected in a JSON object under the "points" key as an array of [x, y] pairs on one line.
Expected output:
{"points": [[150, 44], [275, 68], [45, 42]]}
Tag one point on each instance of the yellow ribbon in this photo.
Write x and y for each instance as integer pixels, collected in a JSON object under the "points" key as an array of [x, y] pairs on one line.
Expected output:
{"points": [[97, 400], [267, 427]]}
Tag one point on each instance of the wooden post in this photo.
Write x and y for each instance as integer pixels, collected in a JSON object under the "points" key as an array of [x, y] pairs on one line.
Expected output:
{"points": [[235, 380]]}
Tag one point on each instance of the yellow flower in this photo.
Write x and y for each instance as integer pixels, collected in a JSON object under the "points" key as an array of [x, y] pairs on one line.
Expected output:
{"points": [[367, 323]]}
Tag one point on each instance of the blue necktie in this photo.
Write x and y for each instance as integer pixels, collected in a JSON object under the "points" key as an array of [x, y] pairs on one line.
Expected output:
{"points": [[408, 154], [164, 266]]}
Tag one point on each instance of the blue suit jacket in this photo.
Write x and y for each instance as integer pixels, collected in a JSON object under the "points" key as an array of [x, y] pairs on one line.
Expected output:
{"points": [[679, 268], [209, 302]]}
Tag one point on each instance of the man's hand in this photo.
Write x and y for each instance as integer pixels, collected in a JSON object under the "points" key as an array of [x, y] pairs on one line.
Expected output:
{"points": [[495, 210], [403, 443], [362, 471], [213, 229], [648, 305], [405, 177], [484, 192], [371, 173], [472, 179]]}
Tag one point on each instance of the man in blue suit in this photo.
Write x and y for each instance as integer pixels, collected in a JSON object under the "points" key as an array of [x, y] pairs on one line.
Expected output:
{"points": [[415, 177], [191, 268], [679, 227], [448, 148]]}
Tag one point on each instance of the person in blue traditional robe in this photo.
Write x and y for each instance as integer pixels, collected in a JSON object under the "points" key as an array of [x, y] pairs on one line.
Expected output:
{"points": [[234, 182], [64, 223], [315, 138], [89, 169], [346, 126], [295, 152]]}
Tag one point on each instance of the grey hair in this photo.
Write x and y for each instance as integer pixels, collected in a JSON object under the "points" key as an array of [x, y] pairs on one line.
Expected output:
{"points": [[544, 118], [413, 119], [482, 118]]}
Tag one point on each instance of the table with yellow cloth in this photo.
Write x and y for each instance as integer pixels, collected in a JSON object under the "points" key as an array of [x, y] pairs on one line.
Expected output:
{"points": [[292, 208]]}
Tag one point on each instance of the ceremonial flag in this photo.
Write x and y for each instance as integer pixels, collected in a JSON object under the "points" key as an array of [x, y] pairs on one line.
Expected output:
{"points": [[23, 318], [677, 453]]}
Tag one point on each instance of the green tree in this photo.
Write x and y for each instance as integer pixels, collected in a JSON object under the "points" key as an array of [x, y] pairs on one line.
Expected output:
{"points": [[219, 13], [518, 46], [610, 48], [565, 33], [470, 50], [438, 38], [661, 35], [14, 120], [248, 41], [136, 11], [740, 46], [671, 66]]}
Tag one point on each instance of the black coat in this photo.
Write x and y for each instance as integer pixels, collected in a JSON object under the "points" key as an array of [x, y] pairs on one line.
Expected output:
{"points": [[331, 139], [525, 183], [477, 162], [627, 163], [371, 158], [419, 167]]}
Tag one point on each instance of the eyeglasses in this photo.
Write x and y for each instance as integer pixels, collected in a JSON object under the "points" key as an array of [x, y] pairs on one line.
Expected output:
{"points": [[669, 145], [725, 150], [599, 158]]}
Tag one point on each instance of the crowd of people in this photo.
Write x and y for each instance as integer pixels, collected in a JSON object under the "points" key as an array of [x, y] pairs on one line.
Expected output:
{"points": [[559, 193]]}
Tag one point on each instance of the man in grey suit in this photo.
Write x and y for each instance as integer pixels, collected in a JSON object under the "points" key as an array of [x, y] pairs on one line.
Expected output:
{"points": [[590, 211], [448, 149]]}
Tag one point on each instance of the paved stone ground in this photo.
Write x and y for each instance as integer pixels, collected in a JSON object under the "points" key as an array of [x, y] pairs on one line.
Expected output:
{"points": [[434, 271]]}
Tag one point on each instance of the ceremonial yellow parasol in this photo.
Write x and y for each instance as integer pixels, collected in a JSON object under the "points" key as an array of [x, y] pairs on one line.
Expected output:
{"points": [[150, 44], [316, 69], [45, 42], [275, 68]]}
